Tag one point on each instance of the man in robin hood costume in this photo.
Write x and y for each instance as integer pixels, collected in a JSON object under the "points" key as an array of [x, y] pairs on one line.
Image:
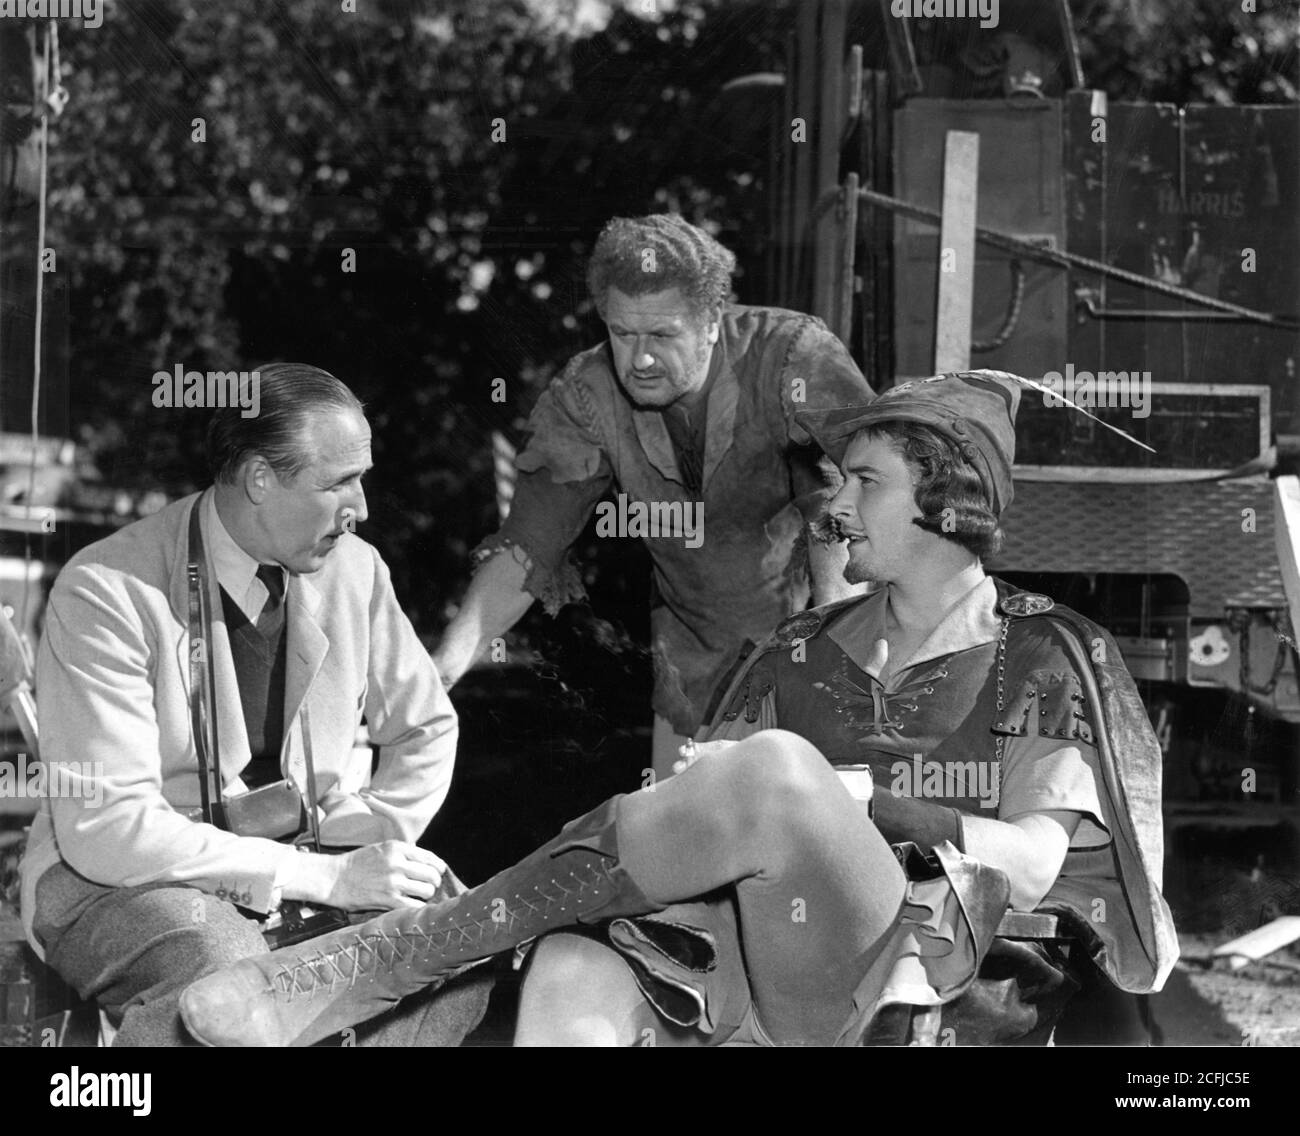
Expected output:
{"points": [[766, 895]]}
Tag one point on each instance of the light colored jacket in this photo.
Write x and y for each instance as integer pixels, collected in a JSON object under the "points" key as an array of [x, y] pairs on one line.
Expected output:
{"points": [[112, 691]]}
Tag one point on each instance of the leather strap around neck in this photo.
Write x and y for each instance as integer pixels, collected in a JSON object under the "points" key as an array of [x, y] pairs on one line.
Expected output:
{"points": [[203, 684]]}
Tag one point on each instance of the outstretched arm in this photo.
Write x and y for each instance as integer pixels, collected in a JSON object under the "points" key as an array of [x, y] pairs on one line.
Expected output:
{"points": [[495, 602], [561, 475]]}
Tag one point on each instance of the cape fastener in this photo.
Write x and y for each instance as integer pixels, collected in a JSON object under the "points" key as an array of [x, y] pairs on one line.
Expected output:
{"points": [[801, 625], [1026, 603]]}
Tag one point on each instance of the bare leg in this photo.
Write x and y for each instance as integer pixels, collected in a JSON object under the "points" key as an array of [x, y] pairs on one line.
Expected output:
{"points": [[818, 887], [580, 992], [818, 892]]}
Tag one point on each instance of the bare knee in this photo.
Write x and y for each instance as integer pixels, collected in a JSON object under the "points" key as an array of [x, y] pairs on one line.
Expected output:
{"points": [[578, 992]]}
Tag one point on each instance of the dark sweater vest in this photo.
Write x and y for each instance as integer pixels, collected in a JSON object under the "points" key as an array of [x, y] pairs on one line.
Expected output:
{"points": [[260, 667]]}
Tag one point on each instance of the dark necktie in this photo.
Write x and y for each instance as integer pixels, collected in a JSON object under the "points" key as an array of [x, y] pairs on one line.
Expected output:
{"points": [[271, 618]]}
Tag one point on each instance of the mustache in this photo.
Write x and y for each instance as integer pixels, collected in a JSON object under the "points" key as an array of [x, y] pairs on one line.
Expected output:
{"points": [[829, 529]]}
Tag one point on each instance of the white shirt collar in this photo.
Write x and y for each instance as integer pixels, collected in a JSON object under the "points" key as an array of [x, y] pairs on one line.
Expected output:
{"points": [[236, 571], [971, 622]]}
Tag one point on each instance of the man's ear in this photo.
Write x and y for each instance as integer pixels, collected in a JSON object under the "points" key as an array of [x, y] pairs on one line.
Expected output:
{"points": [[256, 478], [713, 329]]}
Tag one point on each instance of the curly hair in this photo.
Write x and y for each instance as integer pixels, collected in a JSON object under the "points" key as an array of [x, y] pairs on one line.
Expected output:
{"points": [[637, 255], [946, 487]]}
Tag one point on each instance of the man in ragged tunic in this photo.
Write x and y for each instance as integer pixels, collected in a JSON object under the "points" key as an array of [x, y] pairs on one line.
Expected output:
{"points": [[755, 898], [689, 406]]}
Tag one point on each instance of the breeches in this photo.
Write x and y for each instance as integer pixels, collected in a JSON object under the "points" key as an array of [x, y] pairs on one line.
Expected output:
{"points": [[135, 949]]}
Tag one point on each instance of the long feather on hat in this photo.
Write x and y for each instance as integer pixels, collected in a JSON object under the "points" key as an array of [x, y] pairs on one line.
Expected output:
{"points": [[1066, 402]]}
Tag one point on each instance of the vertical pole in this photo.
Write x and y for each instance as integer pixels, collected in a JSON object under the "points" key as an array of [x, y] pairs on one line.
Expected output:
{"points": [[40, 258], [952, 332], [827, 236], [39, 313], [803, 159], [845, 286]]}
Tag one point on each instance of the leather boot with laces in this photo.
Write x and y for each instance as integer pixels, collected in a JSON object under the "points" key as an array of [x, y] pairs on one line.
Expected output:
{"points": [[302, 994]]}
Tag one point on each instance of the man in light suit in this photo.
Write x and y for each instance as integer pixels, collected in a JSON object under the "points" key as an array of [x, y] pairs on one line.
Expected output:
{"points": [[127, 896]]}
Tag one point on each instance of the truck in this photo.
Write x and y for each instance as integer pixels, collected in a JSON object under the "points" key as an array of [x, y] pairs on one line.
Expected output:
{"points": [[1143, 259]]}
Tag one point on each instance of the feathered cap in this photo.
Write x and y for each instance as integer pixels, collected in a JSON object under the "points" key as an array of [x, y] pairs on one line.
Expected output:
{"points": [[975, 410]]}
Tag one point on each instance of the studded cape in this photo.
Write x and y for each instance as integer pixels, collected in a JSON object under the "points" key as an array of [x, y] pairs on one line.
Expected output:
{"points": [[1109, 897]]}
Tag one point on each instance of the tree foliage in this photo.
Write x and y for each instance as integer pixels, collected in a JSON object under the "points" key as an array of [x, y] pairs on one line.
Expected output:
{"points": [[1187, 51], [217, 161]]}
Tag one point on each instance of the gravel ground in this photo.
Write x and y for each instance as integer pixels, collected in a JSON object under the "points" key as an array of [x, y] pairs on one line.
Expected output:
{"points": [[1207, 1003]]}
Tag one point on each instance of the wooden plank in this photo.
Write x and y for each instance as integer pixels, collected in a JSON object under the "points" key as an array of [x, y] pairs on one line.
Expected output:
{"points": [[1084, 207], [803, 154], [830, 106], [876, 162], [853, 81], [957, 252], [786, 156], [845, 286], [1262, 941]]}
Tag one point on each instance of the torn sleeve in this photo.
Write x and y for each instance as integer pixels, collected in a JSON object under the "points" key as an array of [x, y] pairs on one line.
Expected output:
{"points": [[561, 474], [818, 374]]}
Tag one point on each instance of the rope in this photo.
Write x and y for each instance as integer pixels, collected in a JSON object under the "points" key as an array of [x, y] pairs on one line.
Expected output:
{"points": [[1013, 312], [49, 101], [1061, 259]]}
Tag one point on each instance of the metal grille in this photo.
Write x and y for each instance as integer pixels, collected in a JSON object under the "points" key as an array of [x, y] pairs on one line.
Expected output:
{"points": [[1193, 530]]}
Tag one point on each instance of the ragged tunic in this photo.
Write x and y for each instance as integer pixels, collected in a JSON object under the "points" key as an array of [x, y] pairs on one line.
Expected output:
{"points": [[750, 570]]}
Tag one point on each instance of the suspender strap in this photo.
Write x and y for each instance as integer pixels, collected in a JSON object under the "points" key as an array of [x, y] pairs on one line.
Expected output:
{"points": [[313, 820], [202, 677], [203, 683]]}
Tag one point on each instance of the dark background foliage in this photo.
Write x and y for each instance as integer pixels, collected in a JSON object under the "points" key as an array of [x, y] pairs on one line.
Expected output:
{"points": [[326, 131], [373, 131]]}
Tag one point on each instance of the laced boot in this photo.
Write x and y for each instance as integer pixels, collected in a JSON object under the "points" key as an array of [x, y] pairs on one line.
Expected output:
{"points": [[302, 994]]}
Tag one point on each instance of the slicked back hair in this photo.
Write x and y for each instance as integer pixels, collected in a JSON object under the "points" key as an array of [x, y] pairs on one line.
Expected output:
{"points": [[638, 255], [290, 393], [944, 480]]}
